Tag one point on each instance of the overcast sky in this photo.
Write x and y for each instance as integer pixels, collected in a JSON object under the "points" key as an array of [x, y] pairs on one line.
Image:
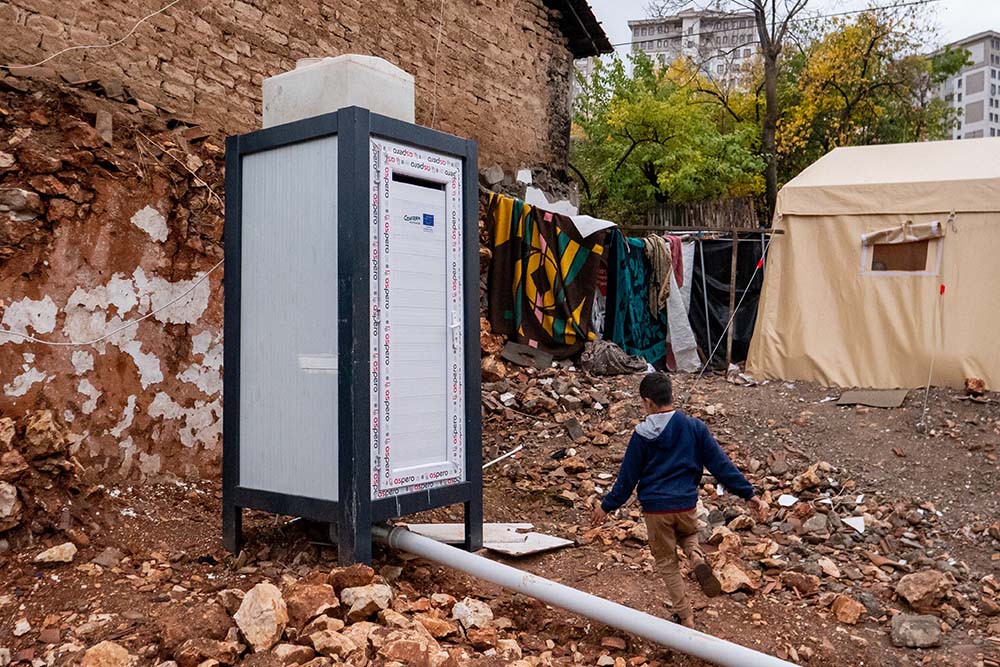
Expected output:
{"points": [[955, 18]]}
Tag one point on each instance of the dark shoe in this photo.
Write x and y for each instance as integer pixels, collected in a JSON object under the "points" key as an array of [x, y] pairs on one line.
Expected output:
{"points": [[689, 623], [707, 580]]}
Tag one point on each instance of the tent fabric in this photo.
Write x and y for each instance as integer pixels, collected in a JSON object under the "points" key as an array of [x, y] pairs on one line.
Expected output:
{"points": [[824, 318], [930, 177]]}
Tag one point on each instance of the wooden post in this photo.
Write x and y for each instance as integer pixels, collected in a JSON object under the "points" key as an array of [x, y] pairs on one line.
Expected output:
{"points": [[732, 302]]}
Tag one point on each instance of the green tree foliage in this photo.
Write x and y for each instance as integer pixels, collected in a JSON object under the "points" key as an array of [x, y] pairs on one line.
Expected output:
{"points": [[645, 139], [862, 81]]}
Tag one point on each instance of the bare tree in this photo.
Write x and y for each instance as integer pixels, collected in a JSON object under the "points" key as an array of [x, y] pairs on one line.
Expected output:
{"points": [[772, 18]]}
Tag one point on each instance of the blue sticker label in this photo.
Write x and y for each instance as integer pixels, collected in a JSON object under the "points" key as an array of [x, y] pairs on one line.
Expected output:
{"points": [[428, 220]]}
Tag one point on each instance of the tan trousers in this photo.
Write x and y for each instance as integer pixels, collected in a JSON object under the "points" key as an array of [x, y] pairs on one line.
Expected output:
{"points": [[666, 533]]}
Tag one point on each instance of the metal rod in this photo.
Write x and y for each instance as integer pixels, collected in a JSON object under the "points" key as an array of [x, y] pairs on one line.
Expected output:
{"points": [[704, 294], [503, 456], [732, 303], [661, 631]]}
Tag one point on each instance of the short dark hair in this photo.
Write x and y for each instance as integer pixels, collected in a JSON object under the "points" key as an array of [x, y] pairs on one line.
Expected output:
{"points": [[657, 388]]}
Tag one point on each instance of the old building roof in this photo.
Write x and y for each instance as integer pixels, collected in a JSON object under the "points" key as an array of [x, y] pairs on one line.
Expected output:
{"points": [[582, 29]]}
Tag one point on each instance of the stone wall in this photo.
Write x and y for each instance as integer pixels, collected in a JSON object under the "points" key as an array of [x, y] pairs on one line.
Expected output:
{"points": [[494, 71]]}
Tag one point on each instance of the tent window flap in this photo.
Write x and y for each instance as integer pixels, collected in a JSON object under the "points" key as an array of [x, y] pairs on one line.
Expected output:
{"points": [[904, 233], [904, 248]]}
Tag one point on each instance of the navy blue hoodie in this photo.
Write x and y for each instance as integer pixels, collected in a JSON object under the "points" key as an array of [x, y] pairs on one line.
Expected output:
{"points": [[666, 457]]}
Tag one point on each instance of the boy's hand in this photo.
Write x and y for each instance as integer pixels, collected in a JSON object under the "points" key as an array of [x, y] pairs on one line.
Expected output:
{"points": [[599, 516], [758, 507]]}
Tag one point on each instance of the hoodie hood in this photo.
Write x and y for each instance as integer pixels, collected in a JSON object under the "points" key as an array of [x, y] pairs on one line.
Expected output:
{"points": [[652, 426]]}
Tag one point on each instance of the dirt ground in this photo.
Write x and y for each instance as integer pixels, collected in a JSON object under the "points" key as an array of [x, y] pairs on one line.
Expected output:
{"points": [[169, 533]]}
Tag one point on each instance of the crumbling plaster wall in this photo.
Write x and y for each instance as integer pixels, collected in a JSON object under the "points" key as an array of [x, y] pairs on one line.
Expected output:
{"points": [[94, 236]]}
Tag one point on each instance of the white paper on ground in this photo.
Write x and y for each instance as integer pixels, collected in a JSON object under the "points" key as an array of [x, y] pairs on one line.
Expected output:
{"points": [[856, 522], [787, 500]]}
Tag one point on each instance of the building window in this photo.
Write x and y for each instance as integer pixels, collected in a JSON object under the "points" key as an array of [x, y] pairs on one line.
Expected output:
{"points": [[746, 53], [993, 132], [660, 29], [960, 83], [718, 69], [960, 97]]}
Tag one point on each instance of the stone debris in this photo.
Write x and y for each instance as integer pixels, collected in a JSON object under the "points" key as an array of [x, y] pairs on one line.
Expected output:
{"points": [[916, 631], [365, 601], [262, 616], [472, 613], [108, 654], [63, 553]]}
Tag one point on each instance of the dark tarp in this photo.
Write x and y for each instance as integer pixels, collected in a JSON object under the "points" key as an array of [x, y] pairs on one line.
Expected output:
{"points": [[718, 264]]}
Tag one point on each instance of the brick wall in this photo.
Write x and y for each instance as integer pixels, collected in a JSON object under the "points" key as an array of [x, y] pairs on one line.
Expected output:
{"points": [[500, 74]]}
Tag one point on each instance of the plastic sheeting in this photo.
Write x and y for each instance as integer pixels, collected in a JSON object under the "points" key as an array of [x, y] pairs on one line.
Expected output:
{"points": [[716, 256]]}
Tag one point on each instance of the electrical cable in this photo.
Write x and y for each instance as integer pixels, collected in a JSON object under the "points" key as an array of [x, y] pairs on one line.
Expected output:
{"points": [[97, 46]]}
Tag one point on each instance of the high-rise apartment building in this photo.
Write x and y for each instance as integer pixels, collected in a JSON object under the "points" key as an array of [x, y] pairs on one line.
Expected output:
{"points": [[975, 90], [723, 45]]}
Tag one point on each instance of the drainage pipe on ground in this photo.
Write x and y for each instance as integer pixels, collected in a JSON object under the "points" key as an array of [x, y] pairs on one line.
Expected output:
{"points": [[661, 631]]}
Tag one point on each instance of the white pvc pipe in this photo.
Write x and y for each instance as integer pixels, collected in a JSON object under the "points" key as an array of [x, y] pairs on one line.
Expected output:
{"points": [[661, 631]]}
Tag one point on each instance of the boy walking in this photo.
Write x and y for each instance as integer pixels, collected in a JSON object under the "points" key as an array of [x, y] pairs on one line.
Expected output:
{"points": [[666, 457]]}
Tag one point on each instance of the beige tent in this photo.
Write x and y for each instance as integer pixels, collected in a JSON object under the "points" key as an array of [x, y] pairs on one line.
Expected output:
{"points": [[852, 288]]}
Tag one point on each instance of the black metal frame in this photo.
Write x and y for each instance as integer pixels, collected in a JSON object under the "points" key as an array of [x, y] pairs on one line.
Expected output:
{"points": [[352, 515]]}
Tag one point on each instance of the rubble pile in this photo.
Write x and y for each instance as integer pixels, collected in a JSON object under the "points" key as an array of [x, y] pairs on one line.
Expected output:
{"points": [[856, 556], [38, 473], [344, 616]]}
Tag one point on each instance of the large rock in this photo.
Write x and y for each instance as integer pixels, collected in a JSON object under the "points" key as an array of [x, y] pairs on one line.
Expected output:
{"points": [[107, 654], [438, 627], [12, 465], [332, 644], [916, 631], [62, 553], [178, 624], [293, 654], [810, 479], [363, 602], [354, 576], [193, 652], [8, 429], [412, 649], [805, 584], [43, 435], [472, 613], [847, 609], [11, 509], [815, 525], [307, 601], [262, 616], [926, 590], [732, 577]]}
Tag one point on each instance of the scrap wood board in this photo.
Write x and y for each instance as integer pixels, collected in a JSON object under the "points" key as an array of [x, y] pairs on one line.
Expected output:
{"points": [[510, 539], [876, 398]]}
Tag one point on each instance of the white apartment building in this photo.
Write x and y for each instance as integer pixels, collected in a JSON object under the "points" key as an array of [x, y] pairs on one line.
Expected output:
{"points": [[722, 44], [975, 90], [584, 67]]}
